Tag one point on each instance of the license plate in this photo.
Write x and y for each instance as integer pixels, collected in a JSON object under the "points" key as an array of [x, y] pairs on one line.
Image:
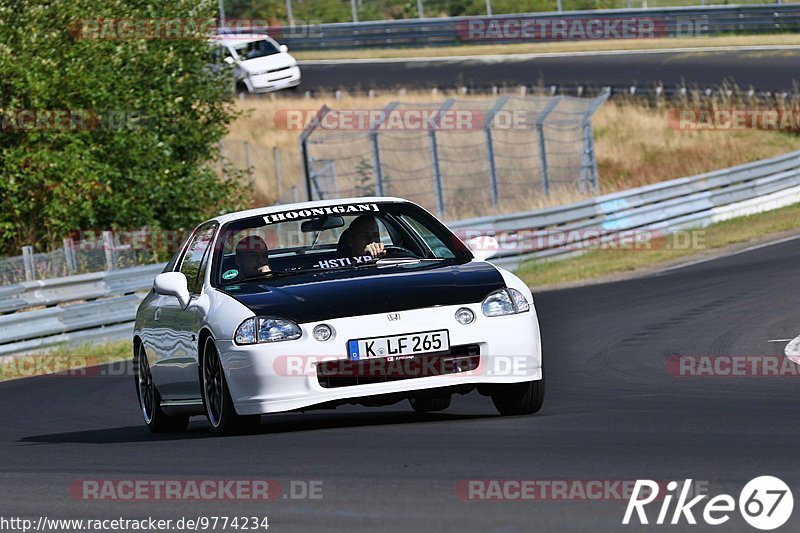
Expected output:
{"points": [[398, 345]]}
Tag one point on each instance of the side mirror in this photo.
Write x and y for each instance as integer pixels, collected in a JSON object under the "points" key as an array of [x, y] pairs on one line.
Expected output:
{"points": [[229, 60], [173, 284], [483, 247], [283, 48]]}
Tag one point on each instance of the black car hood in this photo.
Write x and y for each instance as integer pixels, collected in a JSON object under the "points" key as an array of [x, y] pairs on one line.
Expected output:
{"points": [[342, 293]]}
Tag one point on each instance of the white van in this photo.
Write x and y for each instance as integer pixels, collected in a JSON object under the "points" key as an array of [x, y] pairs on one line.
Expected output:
{"points": [[261, 64]]}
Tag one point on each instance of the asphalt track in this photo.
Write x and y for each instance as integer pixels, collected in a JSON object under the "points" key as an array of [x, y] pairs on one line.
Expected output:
{"points": [[759, 69], [612, 412]]}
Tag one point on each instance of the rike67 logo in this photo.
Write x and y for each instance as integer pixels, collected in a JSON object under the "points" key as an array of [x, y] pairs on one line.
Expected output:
{"points": [[765, 503]]}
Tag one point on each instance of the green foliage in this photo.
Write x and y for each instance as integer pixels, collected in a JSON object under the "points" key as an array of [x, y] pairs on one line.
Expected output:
{"points": [[340, 11], [151, 167], [364, 178]]}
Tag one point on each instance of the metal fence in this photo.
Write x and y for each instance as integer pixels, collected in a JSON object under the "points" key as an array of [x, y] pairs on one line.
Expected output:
{"points": [[93, 252], [669, 21], [266, 168], [458, 158]]}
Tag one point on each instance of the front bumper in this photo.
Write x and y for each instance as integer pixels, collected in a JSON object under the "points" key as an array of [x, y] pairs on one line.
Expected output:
{"points": [[282, 376], [274, 81]]}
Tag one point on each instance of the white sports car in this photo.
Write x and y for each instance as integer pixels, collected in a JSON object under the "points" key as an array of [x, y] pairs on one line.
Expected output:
{"points": [[313, 305]]}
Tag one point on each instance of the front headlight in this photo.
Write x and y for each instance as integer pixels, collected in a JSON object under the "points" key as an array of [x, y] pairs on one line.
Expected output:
{"points": [[505, 302], [266, 329]]}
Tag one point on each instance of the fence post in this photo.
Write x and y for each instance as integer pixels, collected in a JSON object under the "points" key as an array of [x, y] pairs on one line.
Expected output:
{"points": [[419, 9], [222, 158], [305, 161], [542, 144], [589, 172], [488, 8], [376, 152], [28, 263], [69, 256], [434, 150], [289, 13], [495, 188], [108, 248], [276, 156], [249, 161]]}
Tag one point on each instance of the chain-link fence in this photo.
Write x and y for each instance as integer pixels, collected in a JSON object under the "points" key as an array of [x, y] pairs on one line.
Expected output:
{"points": [[266, 168], [459, 158], [91, 252]]}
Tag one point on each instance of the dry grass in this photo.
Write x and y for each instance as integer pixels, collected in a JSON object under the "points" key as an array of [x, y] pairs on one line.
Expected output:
{"points": [[553, 47], [63, 360], [635, 146]]}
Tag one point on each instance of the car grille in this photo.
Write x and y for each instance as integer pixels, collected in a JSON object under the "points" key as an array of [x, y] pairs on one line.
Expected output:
{"points": [[345, 373]]}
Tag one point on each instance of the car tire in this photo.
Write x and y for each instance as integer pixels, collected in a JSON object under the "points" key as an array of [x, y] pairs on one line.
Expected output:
{"points": [[429, 405], [217, 401], [519, 398], [150, 401]]}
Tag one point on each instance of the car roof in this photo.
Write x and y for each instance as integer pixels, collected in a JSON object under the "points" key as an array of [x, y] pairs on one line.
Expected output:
{"points": [[227, 39], [260, 211]]}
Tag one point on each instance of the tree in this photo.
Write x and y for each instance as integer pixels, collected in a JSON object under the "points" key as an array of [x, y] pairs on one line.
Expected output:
{"points": [[143, 120]]}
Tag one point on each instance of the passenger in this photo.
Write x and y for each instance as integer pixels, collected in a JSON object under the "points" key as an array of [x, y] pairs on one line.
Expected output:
{"points": [[252, 256]]}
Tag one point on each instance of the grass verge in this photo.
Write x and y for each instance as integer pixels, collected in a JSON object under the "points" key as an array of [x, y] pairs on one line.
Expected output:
{"points": [[555, 47], [63, 360], [610, 264]]}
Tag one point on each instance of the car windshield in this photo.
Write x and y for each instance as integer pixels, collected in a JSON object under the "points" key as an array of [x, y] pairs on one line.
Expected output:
{"points": [[255, 49], [332, 238]]}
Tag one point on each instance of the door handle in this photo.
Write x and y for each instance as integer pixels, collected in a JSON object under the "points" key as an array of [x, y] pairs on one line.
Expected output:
{"points": [[157, 316]]}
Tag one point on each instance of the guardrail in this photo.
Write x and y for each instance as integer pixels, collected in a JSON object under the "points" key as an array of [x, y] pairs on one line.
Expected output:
{"points": [[668, 22], [55, 291], [694, 201], [108, 302]]}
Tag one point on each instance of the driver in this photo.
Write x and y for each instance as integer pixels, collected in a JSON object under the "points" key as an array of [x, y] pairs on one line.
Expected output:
{"points": [[364, 238], [252, 256]]}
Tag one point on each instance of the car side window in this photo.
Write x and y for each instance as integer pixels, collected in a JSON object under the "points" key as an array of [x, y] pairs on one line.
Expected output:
{"points": [[195, 260]]}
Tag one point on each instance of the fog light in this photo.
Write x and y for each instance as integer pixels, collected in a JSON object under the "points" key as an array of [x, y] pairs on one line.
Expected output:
{"points": [[465, 316], [323, 332]]}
